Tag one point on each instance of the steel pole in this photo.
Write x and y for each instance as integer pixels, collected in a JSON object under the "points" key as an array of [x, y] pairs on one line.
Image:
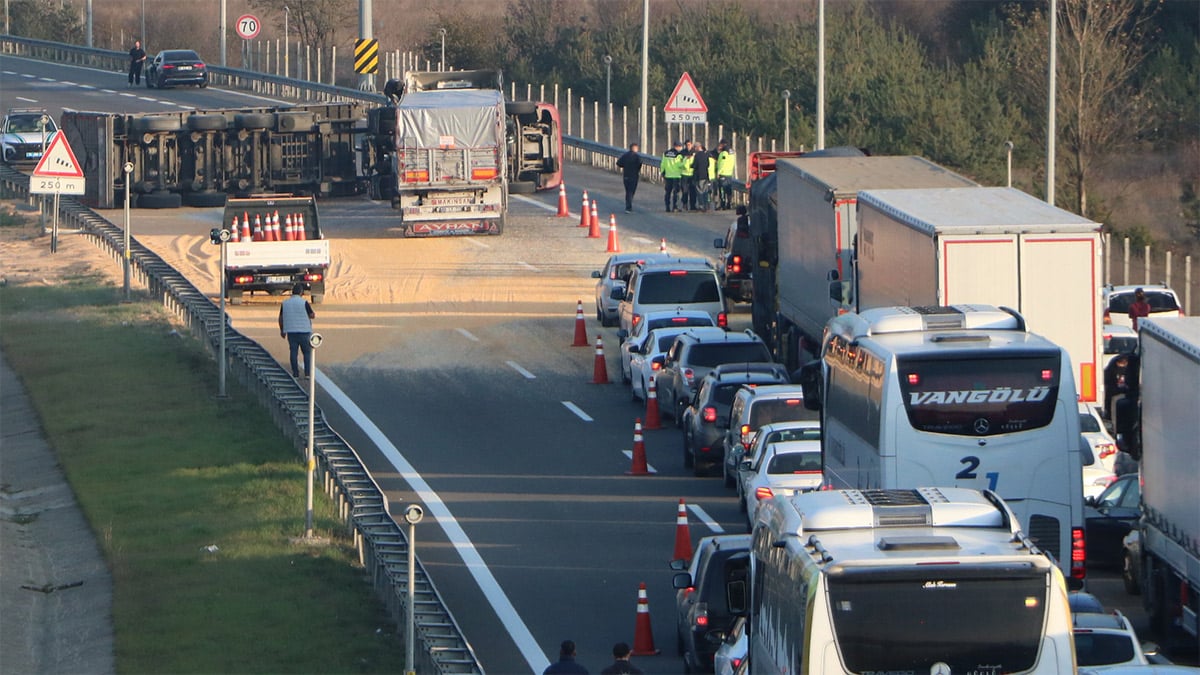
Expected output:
{"points": [[410, 624], [1008, 150], [821, 75], [366, 81], [287, 47], [642, 136], [128, 172], [1050, 107], [442, 66], [787, 120], [309, 454], [221, 355]]}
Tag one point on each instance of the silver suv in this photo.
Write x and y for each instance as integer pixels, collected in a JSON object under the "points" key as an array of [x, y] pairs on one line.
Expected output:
{"points": [[680, 283], [751, 410], [695, 353], [22, 133]]}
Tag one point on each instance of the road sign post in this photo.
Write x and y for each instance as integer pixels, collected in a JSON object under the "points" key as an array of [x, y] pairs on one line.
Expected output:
{"points": [[686, 106], [57, 173]]}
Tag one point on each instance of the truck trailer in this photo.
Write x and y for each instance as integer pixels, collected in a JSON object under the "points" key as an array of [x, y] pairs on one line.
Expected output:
{"points": [[803, 224], [985, 245]]}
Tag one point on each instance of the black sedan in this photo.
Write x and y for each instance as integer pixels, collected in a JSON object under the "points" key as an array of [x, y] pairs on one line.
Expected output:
{"points": [[1108, 518], [176, 66]]}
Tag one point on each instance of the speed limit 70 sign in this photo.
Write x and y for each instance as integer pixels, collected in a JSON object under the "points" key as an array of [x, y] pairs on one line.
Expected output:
{"points": [[248, 26]]}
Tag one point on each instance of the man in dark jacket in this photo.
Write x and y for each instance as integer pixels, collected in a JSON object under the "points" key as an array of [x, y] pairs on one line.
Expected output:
{"points": [[621, 666], [630, 164], [566, 661]]}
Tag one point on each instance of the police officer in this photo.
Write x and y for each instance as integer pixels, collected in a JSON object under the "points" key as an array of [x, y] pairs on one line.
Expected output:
{"points": [[687, 172], [671, 173], [726, 164]]}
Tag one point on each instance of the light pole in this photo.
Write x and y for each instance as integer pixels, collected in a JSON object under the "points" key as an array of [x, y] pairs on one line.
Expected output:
{"points": [[314, 340], [220, 237], [442, 32], [413, 515], [607, 81], [787, 120], [128, 172], [1008, 148], [287, 47], [642, 137], [143, 23]]}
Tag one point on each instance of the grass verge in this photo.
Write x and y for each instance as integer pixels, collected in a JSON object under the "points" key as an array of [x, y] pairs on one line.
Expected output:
{"points": [[163, 470]]}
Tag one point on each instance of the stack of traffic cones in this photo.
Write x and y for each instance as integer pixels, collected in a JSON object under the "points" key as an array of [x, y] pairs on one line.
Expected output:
{"points": [[562, 201], [580, 327], [600, 371], [289, 228], [584, 217], [653, 420], [235, 234], [643, 633], [683, 536], [246, 235], [613, 245], [258, 229], [301, 234], [638, 467]]}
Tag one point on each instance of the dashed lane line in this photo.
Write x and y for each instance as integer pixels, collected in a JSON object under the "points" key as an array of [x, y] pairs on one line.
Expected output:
{"points": [[517, 367], [467, 334], [706, 519], [578, 411]]}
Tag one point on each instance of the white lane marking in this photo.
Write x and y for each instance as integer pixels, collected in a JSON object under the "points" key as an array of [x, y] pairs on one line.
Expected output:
{"points": [[27, 75], [47, 79], [702, 515], [108, 91], [500, 603], [575, 409], [467, 334], [527, 266], [517, 367], [86, 86], [475, 241], [68, 83], [629, 454], [30, 100], [128, 95], [643, 240], [534, 202]]}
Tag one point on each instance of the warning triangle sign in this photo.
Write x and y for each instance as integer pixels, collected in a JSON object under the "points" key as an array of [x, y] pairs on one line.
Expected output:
{"points": [[59, 160], [685, 98]]}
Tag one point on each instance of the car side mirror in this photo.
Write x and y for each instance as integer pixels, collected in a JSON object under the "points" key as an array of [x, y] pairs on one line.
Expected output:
{"points": [[681, 580], [1090, 500], [718, 243], [678, 564], [595, 274]]}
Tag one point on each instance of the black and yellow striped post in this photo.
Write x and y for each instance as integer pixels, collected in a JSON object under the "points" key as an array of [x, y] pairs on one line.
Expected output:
{"points": [[366, 56]]}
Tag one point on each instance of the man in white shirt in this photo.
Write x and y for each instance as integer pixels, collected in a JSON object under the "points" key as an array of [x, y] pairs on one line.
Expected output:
{"points": [[295, 324]]}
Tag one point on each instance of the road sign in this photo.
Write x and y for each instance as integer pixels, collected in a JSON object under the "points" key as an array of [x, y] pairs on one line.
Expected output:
{"points": [[685, 104], [248, 26], [366, 56], [58, 171]]}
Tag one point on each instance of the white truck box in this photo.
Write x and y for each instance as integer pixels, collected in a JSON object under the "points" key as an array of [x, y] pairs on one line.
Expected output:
{"points": [[1170, 466], [816, 230], [987, 245], [275, 266]]}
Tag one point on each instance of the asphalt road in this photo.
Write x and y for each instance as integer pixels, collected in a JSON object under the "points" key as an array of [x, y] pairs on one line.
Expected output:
{"points": [[447, 364]]}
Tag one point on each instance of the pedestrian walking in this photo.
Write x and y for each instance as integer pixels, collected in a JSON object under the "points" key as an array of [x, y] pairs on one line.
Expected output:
{"points": [[295, 324], [705, 170], [566, 661], [630, 164], [621, 666], [726, 166], [137, 56], [1138, 308], [671, 173]]}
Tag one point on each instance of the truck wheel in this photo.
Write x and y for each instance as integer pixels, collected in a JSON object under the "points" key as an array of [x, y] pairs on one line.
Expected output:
{"points": [[522, 187], [1132, 583], [160, 200], [205, 198], [253, 120], [141, 125], [235, 297], [520, 107], [318, 298], [207, 122]]}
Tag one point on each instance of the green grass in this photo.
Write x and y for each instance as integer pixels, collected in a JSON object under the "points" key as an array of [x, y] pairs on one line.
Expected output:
{"points": [[164, 469]]}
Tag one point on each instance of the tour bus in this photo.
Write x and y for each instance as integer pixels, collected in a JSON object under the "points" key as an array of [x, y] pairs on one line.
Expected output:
{"points": [[927, 580], [959, 396]]}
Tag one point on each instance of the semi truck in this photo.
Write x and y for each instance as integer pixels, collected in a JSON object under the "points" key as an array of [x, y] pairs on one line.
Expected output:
{"points": [[984, 245], [802, 222], [278, 244], [1161, 426]]}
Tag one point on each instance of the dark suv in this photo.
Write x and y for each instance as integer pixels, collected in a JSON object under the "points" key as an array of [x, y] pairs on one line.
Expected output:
{"points": [[706, 420], [693, 355], [709, 596], [734, 265]]}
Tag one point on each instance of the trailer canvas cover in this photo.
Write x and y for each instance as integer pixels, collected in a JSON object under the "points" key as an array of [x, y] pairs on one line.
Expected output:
{"points": [[451, 118]]}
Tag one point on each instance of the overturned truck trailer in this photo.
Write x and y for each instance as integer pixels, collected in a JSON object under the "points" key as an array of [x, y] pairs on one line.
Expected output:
{"points": [[200, 157]]}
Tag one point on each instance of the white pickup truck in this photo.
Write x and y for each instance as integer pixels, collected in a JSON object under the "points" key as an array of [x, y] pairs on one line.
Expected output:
{"points": [[278, 244]]}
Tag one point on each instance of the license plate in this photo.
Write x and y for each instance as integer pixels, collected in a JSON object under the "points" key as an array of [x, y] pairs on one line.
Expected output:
{"points": [[185, 67], [446, 201], [279, 280]]}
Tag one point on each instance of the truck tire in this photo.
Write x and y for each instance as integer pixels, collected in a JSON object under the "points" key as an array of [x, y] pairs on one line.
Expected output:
{"points": [[522, 187], [520, 107], [318, 298], [204, 198], [1133, 585], [207, 122], [141, 125], [253, 120], [235, 297], [160, 200]]}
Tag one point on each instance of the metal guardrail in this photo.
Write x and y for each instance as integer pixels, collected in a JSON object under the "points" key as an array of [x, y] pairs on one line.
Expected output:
{"points": [[381, 544]]}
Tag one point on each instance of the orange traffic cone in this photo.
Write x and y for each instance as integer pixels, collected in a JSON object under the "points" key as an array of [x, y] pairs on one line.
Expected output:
{"points": [[594, 228], [595, 220], [583, 214], [613, 245], [653, 421], [235, 234], [662, 245], [683, 536], [580, 327], [258, 231], [246, 236], [638, 467], [643, 633], [562, 201], [600, 372], [276, 235], [301, 234], [289, 228]]}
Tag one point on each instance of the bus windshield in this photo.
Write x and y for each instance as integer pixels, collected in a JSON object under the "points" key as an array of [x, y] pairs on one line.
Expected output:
{"points": [[980, 396], [972, 619]]}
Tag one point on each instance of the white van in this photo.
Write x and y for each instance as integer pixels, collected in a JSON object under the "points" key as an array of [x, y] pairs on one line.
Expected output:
{"points": [[680, 283]]}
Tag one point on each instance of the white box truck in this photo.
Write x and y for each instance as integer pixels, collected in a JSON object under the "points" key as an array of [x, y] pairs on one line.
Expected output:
{"points": [[815, 238], [279, 244], [992, 246], [1169, 447]]}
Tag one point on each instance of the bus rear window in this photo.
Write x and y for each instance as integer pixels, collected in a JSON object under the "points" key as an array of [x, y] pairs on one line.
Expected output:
{"points": [[967, 619], [980, 396]]}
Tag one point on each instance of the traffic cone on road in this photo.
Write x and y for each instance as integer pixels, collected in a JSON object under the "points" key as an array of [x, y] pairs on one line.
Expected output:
{"points": [[562, 201], [301, 234], [683, 536], [638, 467], [613, 245], [246, 236], [662, 245], [643, 633], [653, 420], [258, 230], [600, 371], [595, 218], [584, 218], [235, 234], [594, 228], [289, 228], [580, 327], [276, 234]]}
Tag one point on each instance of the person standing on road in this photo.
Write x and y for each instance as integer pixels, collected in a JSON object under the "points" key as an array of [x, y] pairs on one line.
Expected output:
{"points": [[705, 170], [630, 164], [726, 167], [1138, 308], [137, 56], [671, 173], [621, 666], [566, 661], [295, 324], [687, 171]]}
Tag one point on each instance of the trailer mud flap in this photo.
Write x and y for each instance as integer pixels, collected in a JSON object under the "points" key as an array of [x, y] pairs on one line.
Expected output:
{"points": [[453, 228]]}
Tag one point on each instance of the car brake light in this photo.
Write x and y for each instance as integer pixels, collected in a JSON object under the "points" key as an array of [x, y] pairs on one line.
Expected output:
{"points": [[167, 66], [735, 264], [655, 365], [1107, 318], [243, 279], [762, 493], [722, 320], [792, 402], [914, 379], [678, 273], [710, 414], [314, 276], [689, 374], [1047, 375], [1106, 450], [637, 318], [1078, 554], [682, 320], [483, 174], [702, 614]]}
